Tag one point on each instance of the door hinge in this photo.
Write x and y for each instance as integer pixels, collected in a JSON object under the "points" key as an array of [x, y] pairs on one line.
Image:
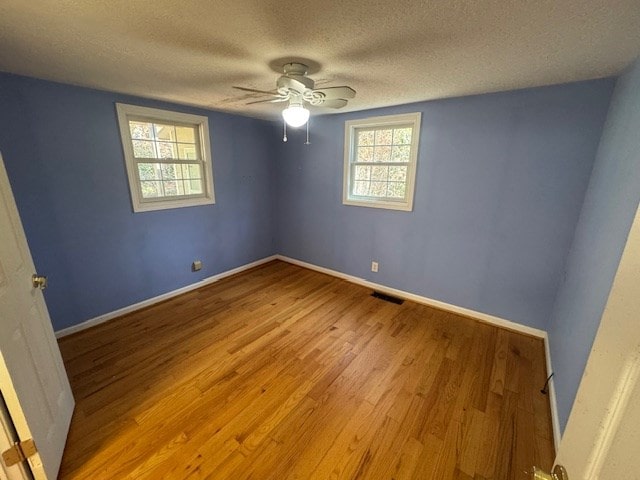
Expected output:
{"points": [[19, 452]]}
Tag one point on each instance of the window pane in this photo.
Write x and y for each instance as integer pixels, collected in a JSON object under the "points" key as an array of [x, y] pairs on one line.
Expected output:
{"points": [[378, 189], [141, 130], [366, 137], [170, 188], [187, 151], [186, 134], [181, 187], [191, 171], [361, 188], [171, 171], [396, 189], [398, 174], [365, 154], [165, 132], [195, 171], [143, 149], [151, 189], [167, 150], [379, 173], [148, 171], [173, 188], [382, 154], [363, 172], [384, 137], [193, 187], [401, 154], [402, 136]]}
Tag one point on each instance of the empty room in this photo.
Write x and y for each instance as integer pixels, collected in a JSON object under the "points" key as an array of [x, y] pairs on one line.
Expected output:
{"points": [[319, 240]]}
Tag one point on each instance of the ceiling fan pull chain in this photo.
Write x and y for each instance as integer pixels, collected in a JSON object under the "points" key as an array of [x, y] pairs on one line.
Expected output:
{"points": [[308, 142], [284, 138]]}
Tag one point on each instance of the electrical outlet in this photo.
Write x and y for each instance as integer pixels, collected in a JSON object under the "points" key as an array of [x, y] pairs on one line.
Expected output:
{"points": [[196, 265], [374, 266]]}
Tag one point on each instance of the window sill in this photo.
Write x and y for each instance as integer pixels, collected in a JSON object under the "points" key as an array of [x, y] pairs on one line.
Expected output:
{"points": [[401, 206], [169, 204]]}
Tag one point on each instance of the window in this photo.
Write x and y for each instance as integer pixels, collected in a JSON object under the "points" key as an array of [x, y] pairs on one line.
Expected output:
{"points": [[380, 157], [168, 158]]}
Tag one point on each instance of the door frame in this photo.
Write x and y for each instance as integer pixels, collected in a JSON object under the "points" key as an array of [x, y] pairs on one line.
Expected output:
{"points": [[8, 437], [611, 373]]}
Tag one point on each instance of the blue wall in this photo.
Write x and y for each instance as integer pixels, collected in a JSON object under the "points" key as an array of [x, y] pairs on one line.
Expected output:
{"points": [[609, 207], [500, 183], [62, 150], [500, 186]]}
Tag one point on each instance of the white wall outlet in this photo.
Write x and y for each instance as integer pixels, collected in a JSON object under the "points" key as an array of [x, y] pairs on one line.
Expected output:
{"points": [[374, 266], [196, 265]]}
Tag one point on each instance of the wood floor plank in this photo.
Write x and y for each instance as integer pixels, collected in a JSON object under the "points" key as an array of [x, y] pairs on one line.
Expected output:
{"points": [[404, 467], [488, 442], [281, 372]]}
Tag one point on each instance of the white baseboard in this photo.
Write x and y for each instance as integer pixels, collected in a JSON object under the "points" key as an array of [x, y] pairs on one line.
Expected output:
{"points": [[501, 322], [150, 301], [555, 419], [484, 317]]}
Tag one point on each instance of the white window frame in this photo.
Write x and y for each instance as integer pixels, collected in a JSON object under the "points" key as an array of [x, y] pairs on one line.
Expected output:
{"points": [[125, 113], [350, 128]]}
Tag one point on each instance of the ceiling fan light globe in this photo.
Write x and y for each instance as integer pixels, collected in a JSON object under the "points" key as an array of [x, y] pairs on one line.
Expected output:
{"points": [[295, 115]]}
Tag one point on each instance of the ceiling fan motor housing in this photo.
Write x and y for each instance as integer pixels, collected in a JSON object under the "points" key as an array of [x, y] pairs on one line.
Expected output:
{"points": [[294, 85], [294, 80]]}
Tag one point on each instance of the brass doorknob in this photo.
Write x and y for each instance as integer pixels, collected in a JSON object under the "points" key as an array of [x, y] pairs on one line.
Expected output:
{"points": [[39, 281], [559, 473]]}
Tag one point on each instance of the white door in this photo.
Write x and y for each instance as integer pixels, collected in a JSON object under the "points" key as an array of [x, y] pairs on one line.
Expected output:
{"points": [[33, 381], [602, 437]]}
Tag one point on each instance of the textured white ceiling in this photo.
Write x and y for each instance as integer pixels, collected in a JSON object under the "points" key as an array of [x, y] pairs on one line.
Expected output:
{"points": [[391, 52]]}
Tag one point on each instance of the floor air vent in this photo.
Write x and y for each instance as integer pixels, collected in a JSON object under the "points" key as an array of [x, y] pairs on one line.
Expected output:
{"points": [[387, 298]]}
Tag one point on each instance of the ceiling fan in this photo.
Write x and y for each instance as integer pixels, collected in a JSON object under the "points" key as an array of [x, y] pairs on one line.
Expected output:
{"points": [[296, 88]]}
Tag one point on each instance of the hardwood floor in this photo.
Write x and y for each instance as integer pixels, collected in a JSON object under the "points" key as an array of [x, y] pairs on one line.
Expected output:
{"points": [[286, 373]]}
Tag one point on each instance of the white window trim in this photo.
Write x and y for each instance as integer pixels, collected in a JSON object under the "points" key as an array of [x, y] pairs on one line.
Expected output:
{"points": [[350, 127], [154, 114]]}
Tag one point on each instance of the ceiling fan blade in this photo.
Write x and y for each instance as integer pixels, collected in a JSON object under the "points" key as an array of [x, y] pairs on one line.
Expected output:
{"points": [[334, 103], [337, 92], [253, 90], [274, 100]]}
